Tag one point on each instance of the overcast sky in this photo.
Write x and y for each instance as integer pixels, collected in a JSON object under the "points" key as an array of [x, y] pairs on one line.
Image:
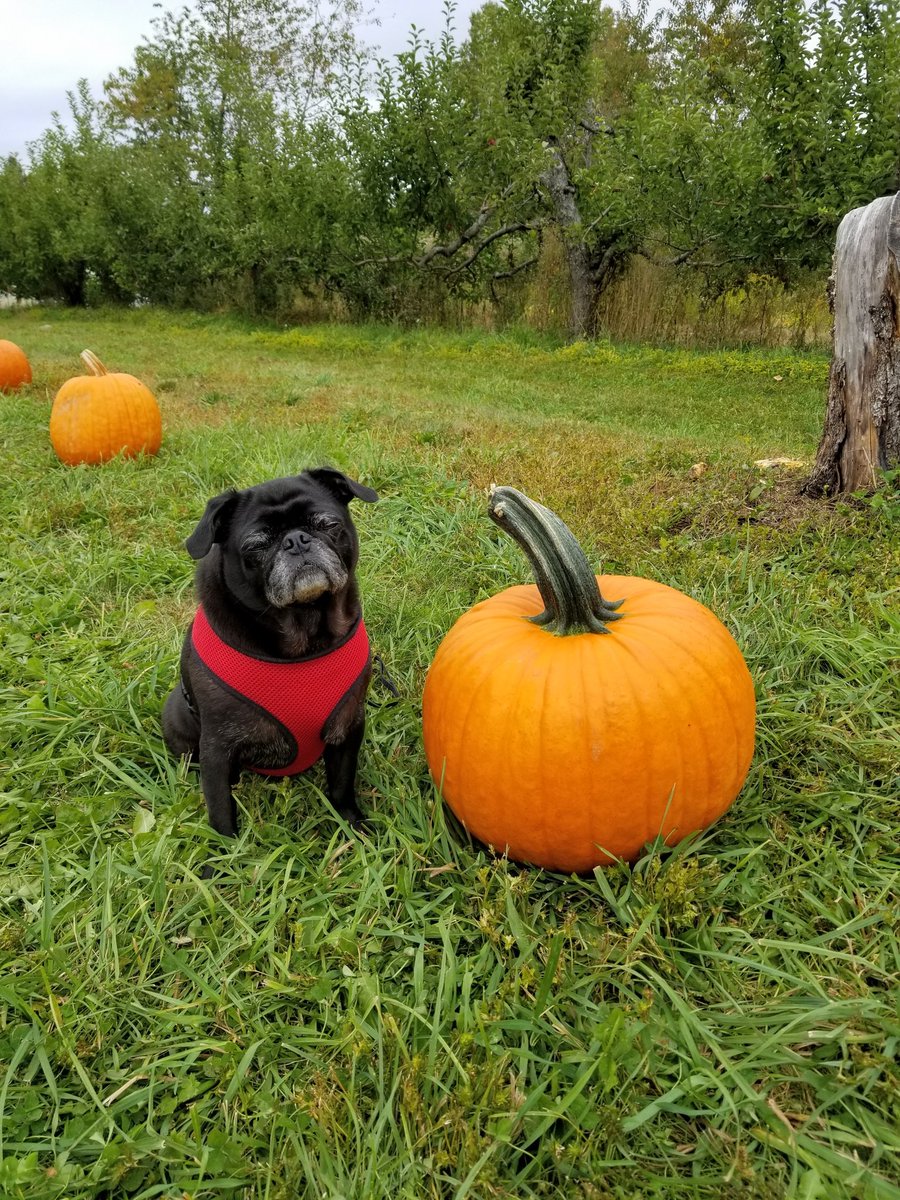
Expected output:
{"points": [[50, 44]]}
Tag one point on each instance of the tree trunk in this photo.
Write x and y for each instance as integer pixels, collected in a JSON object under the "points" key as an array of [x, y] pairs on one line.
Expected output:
{"points": [[862, 419], [567, 217], [72, 282]]}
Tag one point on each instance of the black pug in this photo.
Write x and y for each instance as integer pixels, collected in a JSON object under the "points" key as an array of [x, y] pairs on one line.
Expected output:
{"points": [[276, 665]]}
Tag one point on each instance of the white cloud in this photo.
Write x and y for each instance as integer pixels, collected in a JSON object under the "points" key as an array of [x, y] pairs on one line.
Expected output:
{"points": [[50, 44], [55, 42]]}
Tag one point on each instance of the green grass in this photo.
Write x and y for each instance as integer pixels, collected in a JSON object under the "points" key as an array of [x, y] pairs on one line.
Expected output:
{"points": [[404, 1015]]}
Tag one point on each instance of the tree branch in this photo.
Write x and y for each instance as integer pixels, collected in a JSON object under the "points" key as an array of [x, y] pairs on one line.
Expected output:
{"points": [[593, 128], [484, 215], [385, 261], [503, 231], [523, 266], [686, 257], [464, 238], [450, 249], [498, 275], [601, 270]]}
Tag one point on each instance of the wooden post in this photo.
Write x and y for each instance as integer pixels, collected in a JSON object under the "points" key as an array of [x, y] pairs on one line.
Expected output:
{"points": [[862, 419]]}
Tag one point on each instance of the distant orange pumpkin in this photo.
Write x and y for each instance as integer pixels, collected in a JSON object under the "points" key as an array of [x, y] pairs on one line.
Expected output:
{"points": [[98, 416], [15, 370]]}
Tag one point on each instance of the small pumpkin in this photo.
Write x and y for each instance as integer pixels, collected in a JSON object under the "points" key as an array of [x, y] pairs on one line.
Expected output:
{"points": [[567, 731], [15, 369], [97, 416]]}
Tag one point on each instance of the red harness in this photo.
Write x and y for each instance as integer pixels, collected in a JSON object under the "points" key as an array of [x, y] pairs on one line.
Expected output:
{"points": [[301, 694]]}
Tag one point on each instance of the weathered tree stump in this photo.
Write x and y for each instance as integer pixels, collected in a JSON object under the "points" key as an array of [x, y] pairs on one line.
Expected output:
{"points": [[862, 420]]}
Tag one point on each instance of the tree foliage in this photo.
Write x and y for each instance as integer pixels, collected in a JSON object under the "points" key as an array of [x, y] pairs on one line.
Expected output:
{"points": [[254, 150]]}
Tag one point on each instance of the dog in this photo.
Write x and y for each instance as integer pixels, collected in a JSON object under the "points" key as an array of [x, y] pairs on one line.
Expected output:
{"points": [[276, 664]]}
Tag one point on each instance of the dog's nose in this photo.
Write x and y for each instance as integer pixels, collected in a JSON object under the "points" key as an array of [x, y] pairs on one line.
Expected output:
{"points": [[296, 543]]}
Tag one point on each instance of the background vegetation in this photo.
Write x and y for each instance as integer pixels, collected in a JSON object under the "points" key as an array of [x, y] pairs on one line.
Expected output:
{"points": [[254, 156], [404, 1016]]}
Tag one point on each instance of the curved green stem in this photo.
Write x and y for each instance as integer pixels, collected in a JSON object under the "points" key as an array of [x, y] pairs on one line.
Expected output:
{"points": [[568, 586]]}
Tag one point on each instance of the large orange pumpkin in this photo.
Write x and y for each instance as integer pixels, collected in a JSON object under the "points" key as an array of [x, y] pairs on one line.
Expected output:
{"points": [[566, 731], [97, 416], [15, 370]]}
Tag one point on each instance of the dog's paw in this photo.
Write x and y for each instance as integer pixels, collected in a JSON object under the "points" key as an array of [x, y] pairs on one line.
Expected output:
{"points": [[353, 817]]}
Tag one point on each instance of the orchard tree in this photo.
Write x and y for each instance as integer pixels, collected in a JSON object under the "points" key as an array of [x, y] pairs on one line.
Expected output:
{"points": [[235, 102], [564, 81], [433, 201], [697, 157], [15, 231], [215, 73], [50, 212], [470, 154], [827, 99], [250, 150], [763, 125]]}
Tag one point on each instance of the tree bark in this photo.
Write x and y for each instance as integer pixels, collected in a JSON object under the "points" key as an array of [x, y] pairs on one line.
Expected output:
{"points": [[567, 217], [862, 419]]}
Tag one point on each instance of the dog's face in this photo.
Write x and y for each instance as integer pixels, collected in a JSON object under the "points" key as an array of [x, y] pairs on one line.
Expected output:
{"points": [[287, 542]]}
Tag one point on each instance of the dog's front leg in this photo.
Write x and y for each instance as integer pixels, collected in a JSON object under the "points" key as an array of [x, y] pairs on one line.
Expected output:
{"points": [[340, 773], [216, 775]]}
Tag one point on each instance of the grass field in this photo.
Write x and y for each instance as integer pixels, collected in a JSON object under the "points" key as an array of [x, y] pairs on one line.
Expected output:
{"points": [[404, 1015]]}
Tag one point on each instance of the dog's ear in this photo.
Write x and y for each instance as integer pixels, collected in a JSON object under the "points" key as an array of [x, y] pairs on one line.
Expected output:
{"points": [[342, 485], [213, 526]]}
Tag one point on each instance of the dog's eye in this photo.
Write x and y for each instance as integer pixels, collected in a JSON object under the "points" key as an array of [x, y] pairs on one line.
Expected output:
{"points": [[324, 522], [255, 543]]}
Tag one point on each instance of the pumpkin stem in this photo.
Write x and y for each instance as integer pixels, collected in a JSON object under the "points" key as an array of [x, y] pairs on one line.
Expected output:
{"points": [[93, 363], [563, 574]]}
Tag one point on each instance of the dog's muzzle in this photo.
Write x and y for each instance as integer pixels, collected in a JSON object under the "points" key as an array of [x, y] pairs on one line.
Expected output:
{"points": [[304, 568]]}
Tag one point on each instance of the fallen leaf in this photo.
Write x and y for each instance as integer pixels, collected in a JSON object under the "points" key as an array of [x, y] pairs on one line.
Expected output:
{"points": [[144, 820], [767, 463]]}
